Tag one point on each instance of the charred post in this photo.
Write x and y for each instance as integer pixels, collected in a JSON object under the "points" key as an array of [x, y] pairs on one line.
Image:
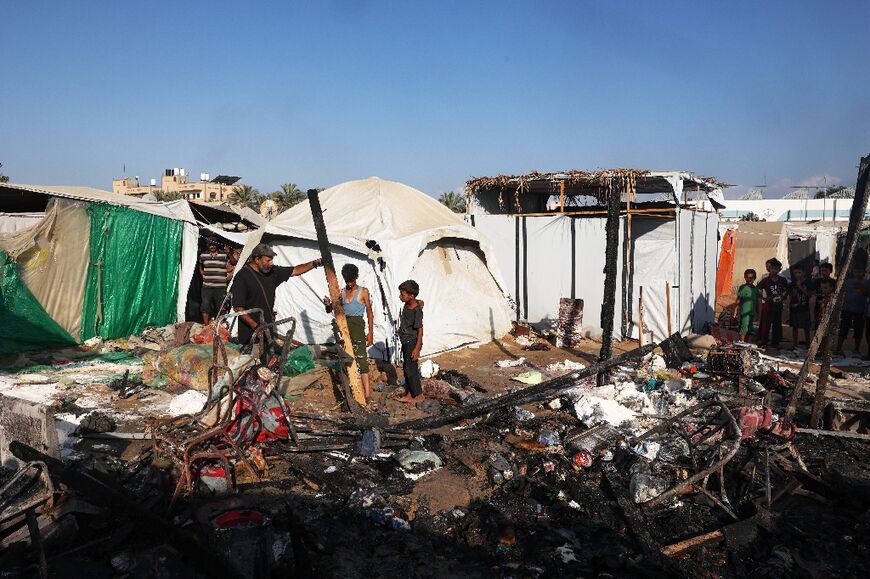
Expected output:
{"points": [[614, 201], [335, 295]]}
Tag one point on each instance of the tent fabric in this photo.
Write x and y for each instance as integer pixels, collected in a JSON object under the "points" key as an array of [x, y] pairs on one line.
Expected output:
{"points": [[24, 324], [681, 252], [174, 210], [546, 250], [403, 225], [654, 267], [52, 259], [725, 273], [133, 273], [12, 222], [758, 241]]}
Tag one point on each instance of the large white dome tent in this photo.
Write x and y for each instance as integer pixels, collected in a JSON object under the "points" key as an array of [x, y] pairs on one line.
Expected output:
{"points": [[392, 232]]}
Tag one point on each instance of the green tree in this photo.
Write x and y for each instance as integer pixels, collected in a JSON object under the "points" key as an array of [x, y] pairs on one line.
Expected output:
{"points": [[288, 196], [3, 178], [162, 195], [246, 196], [750, 217], [453, 201]]}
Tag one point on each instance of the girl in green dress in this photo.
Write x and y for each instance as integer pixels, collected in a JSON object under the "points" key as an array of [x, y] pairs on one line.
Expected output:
{"points": [[747, 306]]}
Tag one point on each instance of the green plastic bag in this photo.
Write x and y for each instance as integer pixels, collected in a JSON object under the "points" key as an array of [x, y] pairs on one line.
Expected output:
{"points": [[299, 361]]}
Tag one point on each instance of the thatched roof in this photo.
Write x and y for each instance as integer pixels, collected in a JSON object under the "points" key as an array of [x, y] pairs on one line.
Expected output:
{"points": [[592, 183]]}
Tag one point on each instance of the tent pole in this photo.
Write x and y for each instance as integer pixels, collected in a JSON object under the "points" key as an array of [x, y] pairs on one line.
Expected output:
{"points": [[519, 296], [335, 295], [640, 316], [668, 306]]}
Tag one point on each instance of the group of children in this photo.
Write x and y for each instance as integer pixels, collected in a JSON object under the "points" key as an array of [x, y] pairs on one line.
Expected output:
{"points": [[357, 303], [807, 298]]}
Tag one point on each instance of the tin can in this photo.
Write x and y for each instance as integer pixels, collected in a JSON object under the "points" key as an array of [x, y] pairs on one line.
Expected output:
{"points": [[583, 459]]}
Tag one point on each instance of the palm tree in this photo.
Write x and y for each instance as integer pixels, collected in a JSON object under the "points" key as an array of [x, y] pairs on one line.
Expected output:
{"points": [[246, 196], [288, 196], [453, 201]]}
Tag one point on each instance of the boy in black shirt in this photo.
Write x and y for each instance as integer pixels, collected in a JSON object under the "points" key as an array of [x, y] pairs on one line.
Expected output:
{"points": [[773, 290], [411, 336]]}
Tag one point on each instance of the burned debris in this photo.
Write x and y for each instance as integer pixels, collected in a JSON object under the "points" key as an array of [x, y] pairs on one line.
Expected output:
{"points": [[680, 469]]}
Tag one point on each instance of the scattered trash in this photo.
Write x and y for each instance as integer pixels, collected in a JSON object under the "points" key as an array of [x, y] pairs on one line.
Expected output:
{"points": [[510, 363], [189, 402], [531, 377], [429, 369], [522, 415], [370, 445], [645, 487], [548, 438], [560, 368]]}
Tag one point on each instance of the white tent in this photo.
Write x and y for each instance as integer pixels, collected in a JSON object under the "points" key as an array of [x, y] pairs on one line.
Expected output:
{"points": [[392, 232], [552, 246]]}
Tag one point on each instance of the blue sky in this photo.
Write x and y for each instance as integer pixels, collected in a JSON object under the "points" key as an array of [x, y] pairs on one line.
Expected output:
{"points": [[431, 94]]}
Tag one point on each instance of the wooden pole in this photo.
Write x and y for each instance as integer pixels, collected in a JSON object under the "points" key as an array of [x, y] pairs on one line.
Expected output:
{"points": [[832, 313], [640, 316], [611, 252], [561, 197], [626, 263], [676, 548], [335, 295], [668, 306]]}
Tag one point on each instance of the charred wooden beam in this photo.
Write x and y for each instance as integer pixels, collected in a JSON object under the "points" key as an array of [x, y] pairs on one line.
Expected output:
{"points": [[610, 258], [524, 395], [335, 295]]}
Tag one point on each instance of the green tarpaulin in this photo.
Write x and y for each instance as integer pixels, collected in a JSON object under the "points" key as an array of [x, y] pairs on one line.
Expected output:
{"points": [[24, 324], [133, 272]]}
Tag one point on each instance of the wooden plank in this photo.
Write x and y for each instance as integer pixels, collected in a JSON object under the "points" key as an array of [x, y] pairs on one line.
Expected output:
{"points": [[335, 295], [676, 548]]}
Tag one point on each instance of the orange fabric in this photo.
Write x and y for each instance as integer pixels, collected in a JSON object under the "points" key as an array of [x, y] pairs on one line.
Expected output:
{"points": [[725, 272]]}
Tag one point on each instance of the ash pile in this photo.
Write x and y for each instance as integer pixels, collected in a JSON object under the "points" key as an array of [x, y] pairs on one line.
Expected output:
{"points": [[656, 462]]}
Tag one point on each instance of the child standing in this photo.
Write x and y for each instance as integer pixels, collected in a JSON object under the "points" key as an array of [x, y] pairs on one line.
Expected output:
{"points": [[826, 288], [826, 271], [799, 295], [773, 290], [411, 337], [747, 306], [357, 302], [854, 304]]}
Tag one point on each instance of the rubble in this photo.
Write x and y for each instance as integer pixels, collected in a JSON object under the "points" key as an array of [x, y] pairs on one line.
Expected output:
{"points": [[676, 466]]}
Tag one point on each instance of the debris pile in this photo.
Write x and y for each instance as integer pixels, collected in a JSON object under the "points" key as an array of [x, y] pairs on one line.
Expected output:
{"points": [[677, 466]]}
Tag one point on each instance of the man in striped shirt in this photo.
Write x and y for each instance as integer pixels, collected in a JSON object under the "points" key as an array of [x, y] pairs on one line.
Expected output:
{"points": [[213, 269]]}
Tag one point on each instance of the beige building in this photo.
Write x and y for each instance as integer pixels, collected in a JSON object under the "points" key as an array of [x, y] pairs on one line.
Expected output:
{"points": [[177, 181]]}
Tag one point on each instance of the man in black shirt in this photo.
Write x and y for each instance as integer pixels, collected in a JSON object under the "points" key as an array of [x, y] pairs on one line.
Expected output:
{"points": [[255, 285]]}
